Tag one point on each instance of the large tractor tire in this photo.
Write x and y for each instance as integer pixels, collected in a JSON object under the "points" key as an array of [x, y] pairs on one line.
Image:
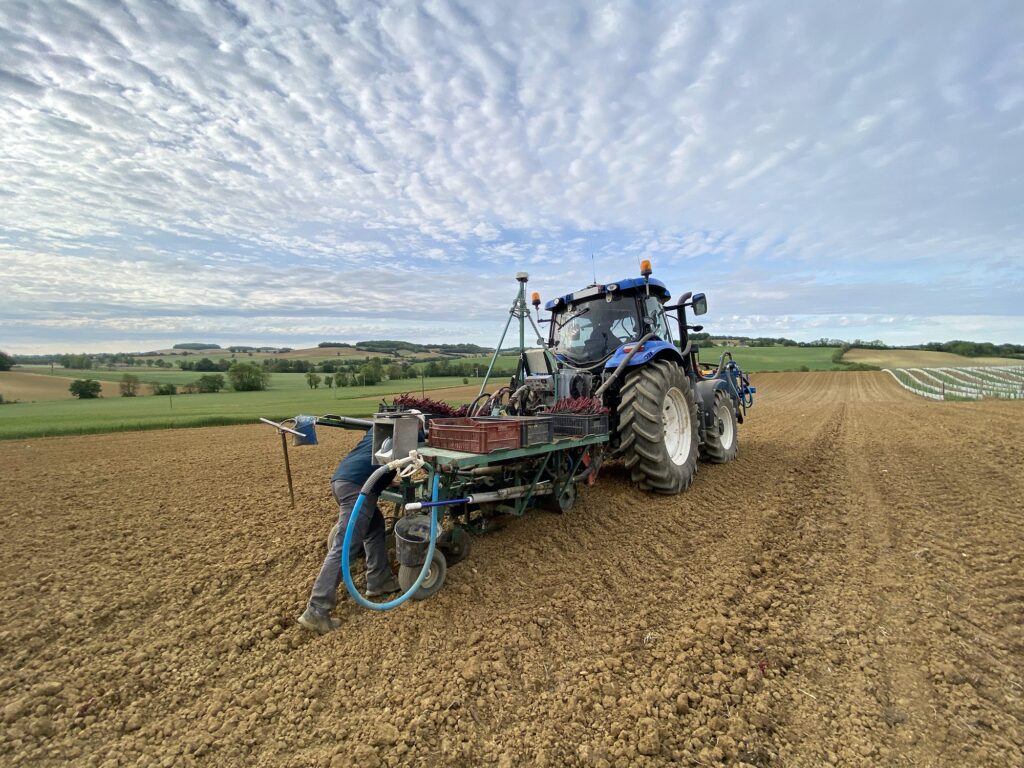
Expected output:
{"points": [[720, 443], [658, 428]]}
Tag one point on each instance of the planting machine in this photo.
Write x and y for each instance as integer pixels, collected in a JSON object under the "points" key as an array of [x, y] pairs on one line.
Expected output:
{"points": [[610, 378]]}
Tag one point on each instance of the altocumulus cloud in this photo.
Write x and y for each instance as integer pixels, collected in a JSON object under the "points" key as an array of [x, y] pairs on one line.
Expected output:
{"points": [[290, 172]]}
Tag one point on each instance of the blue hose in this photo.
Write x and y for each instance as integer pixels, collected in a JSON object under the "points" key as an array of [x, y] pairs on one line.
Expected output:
{"points": [[419, 579]]}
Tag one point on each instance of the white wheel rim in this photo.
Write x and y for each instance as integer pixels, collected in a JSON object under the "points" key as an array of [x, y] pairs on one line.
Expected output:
{"points": [[676, 422], [728, 430]]}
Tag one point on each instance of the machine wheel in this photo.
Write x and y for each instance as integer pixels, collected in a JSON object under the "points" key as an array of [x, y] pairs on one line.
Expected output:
{"points": [[658, 428], [433, 581], [720, 445], [562, 501], [456, 549]]}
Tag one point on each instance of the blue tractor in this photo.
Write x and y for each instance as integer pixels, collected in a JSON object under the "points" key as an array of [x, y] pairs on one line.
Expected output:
{"points": [[614, 342]]}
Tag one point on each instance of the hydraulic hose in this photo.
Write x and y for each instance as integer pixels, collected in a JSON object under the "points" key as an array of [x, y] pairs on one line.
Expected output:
{"points": [[621, 366], [345, 422], [521, 393], [356, 508], [473, 407]]}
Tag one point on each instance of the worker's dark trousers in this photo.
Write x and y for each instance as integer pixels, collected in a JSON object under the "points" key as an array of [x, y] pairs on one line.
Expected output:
{"points": [[368, 534]]}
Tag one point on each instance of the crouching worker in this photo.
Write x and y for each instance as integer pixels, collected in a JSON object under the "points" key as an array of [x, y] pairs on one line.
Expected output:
{"points": [[346, 483]]}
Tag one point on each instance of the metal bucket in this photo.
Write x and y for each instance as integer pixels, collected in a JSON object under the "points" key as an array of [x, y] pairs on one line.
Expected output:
{"points": [[412, 539]]}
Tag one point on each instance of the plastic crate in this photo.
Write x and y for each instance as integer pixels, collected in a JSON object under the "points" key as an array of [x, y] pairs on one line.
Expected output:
{"points": [[535, 430], [473, 435], [566, 424]]}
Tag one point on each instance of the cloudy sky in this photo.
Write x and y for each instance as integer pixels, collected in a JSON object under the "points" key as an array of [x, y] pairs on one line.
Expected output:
{"points": [[244, 171]]}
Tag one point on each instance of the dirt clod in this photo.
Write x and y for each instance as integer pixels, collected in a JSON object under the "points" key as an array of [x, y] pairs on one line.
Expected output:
{"points": [[649, 738], [48, 689], [386, 735]]}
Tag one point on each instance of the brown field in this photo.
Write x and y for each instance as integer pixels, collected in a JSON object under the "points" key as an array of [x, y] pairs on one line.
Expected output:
{"points": [[913, 358], [309, 353], [328, 353], [322, 353], [848, 592], [26, 387]]}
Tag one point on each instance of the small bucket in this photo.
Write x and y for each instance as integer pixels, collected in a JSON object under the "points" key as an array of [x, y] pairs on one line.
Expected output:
{"points": [[412, 539], [307, 426]]}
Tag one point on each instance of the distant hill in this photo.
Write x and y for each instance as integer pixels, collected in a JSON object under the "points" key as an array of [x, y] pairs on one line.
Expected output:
{"points": [[921, 358]]}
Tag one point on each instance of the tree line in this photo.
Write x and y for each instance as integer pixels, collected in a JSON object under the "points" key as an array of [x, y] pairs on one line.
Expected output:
{"points": [[241, 377], [393, 347]]}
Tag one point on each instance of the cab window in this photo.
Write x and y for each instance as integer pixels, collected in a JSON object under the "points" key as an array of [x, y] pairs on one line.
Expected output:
{"points": [[659, 320]]}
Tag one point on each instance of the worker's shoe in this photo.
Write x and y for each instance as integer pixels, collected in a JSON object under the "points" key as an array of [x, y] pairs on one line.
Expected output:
{"points": [[318, 622], [388, 587]]}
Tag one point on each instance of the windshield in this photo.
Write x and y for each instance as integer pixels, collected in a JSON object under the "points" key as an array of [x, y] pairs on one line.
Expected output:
{"points": [[659, 323], [591, 331]]}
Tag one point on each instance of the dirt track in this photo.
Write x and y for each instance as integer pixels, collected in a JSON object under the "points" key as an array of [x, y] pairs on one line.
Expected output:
{"points": [[848, 592]]}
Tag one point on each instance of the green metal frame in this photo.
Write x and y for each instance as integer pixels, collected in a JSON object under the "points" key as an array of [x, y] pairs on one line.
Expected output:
{"points": [[448, 464], [523, 501]]}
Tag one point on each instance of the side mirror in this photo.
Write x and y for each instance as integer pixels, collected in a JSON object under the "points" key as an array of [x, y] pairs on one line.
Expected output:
{"points": [[700, 304]]}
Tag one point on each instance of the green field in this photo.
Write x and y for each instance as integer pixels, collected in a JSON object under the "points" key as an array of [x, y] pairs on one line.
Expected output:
{"points": [[763, 359], [750, 359], [289, 395], [506, 363], [278, 381]]}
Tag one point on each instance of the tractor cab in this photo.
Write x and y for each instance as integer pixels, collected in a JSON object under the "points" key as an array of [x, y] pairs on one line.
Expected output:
{"points": [[589, 326]]}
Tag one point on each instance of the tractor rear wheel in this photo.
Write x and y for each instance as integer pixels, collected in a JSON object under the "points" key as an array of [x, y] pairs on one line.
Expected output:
{"points": [[658, 428], [720, 445]]}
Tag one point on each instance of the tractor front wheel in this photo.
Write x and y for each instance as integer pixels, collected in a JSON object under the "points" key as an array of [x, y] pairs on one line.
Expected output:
{"points": [[658, 428]]}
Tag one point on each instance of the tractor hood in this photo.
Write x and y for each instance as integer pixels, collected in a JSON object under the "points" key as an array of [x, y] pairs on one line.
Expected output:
{"points": [[629, 285]]}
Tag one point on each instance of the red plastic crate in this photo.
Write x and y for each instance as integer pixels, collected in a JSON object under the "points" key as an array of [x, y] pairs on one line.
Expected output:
{"points": [[473, 435], [535, 429]]}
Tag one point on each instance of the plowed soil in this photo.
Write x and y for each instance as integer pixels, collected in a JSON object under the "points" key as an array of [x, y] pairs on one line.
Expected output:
{"points": [[848, 592]]}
